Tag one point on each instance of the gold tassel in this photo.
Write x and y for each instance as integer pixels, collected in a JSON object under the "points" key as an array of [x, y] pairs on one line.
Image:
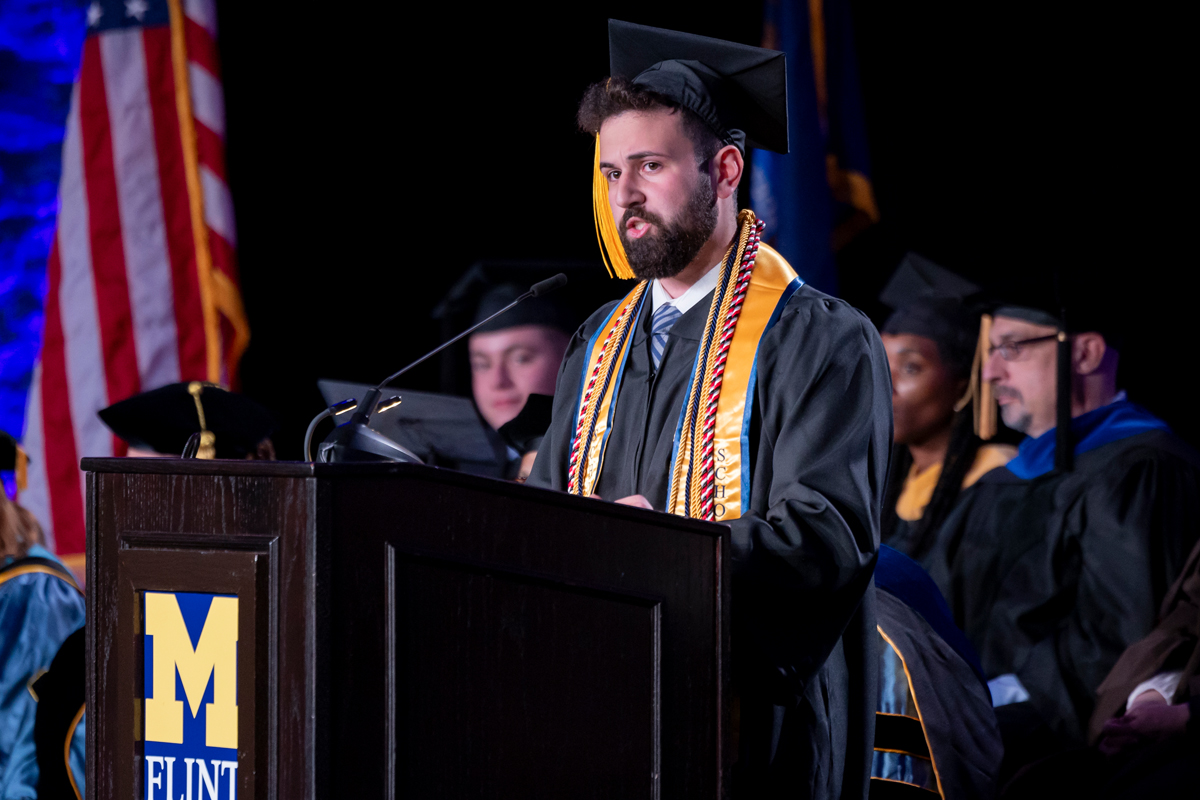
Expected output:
{"points": [[22, 469], [208, 439], [980, 391], [611, 249]]}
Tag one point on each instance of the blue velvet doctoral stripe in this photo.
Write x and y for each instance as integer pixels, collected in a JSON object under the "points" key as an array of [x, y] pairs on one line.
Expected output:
{"points": [[1104, 425], [904, 579]]}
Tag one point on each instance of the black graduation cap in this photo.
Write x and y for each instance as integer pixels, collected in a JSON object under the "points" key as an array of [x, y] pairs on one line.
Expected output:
{"points": [[918, 278], [546, 310], [738, 90], [524, 432], [1059, 301], [164, 419], [931, 301]]}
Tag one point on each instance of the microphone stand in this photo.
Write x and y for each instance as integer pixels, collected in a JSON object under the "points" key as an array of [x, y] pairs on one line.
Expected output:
{"points": [[355, 441]]}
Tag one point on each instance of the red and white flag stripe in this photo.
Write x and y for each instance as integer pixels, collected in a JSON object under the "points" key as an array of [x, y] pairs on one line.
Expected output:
{"points": [[136, 299]]}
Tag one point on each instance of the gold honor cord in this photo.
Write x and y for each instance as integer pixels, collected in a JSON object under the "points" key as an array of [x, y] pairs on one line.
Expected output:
{"points": [[606, 359], [611, 249], [689, 439]]}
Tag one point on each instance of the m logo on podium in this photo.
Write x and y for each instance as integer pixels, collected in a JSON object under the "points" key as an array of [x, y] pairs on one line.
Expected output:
{"points": [[191, 720]]}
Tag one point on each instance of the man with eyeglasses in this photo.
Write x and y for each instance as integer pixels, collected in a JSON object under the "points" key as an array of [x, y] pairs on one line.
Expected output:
{"points": [[1051, 567]]}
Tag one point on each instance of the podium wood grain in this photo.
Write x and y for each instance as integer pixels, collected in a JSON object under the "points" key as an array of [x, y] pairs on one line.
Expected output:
{"points": [[414, 632]]}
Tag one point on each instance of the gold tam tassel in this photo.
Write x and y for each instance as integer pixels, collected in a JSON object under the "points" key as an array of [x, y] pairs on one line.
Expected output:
{"points": [[208, 440], [980, 391], [611, 249], [22, 469]]}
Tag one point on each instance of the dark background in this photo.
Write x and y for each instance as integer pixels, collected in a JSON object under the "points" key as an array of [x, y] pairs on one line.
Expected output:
{"points": [[374, 158]]}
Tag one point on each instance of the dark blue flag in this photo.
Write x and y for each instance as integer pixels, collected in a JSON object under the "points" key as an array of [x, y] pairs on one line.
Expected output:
{"points": [[815, 198]]}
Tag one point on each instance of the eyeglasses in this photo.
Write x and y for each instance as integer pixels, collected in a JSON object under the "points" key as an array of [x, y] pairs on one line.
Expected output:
{"points": [[1011, 351]]}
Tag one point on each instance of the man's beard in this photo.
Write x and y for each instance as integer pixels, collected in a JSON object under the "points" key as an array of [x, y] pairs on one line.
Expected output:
{"points": [[1015, 415], [665, 253]]}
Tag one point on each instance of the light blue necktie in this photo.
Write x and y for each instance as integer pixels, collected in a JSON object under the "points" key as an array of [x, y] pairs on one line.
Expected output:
{"points": [[664, 317]]}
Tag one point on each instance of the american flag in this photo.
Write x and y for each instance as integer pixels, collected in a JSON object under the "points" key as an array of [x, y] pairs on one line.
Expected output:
{"points": [[142, 276]]}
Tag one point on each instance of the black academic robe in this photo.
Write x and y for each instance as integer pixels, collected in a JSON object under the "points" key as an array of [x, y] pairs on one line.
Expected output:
{"points": [[935, 730], [803, 626], [1052, 578]]}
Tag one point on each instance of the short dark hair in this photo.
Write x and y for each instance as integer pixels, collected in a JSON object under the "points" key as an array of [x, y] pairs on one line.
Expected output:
{"points": [[614, 96]]}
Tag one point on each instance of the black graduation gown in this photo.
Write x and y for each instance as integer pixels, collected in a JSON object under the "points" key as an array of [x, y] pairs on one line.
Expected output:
{"points": [[804, 549], [936, 699], [1052, 578]]}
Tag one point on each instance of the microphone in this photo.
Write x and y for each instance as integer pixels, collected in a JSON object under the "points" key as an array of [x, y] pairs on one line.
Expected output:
{"points": [[354, 441]]}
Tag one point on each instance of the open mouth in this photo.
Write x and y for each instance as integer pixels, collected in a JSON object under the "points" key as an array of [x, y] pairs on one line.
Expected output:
{"points": [[636, 228]]}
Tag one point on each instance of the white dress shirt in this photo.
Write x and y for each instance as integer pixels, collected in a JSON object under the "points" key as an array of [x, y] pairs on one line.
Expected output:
{"points": [[694, 294]]}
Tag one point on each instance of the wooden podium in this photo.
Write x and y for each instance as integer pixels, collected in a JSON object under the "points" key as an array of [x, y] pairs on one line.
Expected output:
{"points": [[396, 631]]}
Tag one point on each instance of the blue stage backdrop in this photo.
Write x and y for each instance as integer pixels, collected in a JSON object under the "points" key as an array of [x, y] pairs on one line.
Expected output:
{"points": [[39, 54]]}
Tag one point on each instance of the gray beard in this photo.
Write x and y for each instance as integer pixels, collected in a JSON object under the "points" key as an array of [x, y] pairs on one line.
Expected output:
{"points": [[1016, 419]]}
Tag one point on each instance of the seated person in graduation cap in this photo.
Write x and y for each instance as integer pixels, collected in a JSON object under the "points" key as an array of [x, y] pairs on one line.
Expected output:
{"points": [[1056, 563], [723, 388], [518, 353], [216, 423], [931, 338], [40, 606], [934, 728]]}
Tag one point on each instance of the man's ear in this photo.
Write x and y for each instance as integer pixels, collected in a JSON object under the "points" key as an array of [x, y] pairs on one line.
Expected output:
{"points": [[727, 166], [1088, 352]]}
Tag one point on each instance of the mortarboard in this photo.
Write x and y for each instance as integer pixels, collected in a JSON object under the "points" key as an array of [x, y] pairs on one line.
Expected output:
{"points": [[546, 310], [918, 278], [164, 419], [931, 301], [738, 90]]}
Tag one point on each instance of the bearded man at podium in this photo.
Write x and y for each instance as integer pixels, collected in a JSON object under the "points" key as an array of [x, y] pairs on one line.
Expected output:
{"points": [[724, 388]]}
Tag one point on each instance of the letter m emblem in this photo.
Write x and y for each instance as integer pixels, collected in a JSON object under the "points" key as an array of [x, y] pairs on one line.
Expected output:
{"points": [[213, 656]]}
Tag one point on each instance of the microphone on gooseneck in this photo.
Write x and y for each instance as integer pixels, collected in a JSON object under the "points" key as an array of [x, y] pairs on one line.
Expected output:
{"points": [[354, 441]]}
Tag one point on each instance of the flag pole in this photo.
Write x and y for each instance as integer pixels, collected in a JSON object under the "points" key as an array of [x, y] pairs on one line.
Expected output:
{"points": [[191, 161]]}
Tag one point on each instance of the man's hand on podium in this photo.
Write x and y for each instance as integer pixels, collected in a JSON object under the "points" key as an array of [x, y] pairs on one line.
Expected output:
{"points": [[635, 500]]}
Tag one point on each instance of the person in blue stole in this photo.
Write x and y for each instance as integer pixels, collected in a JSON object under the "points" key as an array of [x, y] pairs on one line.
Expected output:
{"points": [[1055, 563], [40, 606]]}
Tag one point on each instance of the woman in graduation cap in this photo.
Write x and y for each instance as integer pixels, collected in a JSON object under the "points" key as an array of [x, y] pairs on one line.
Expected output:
{"points": [[931, 338], [724, 388], [40, 606]]}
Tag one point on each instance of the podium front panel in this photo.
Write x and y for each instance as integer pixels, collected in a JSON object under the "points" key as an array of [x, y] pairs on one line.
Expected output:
{"points": [[533, 644]]}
